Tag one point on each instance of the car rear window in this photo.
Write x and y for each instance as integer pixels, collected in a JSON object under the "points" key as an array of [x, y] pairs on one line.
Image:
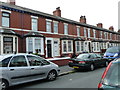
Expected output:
{"points": [[113, 75], [4, 63]]}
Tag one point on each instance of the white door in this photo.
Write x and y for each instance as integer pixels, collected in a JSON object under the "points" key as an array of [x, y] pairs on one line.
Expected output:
{"points": [[56, 48]]}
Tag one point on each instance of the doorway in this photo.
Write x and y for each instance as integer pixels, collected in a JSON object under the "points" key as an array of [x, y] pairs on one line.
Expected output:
{"points": [[49, 48]]}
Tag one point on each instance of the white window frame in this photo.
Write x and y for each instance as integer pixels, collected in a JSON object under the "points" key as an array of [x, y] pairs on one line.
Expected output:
{"points": [[67, 46], [34, 21], [96, 47], [65, 28], [5, 18], [94, 33], [85, 32], [101, 34], [48, 26], [89, 35], [55, 27], [33, 45], [78, 31]]}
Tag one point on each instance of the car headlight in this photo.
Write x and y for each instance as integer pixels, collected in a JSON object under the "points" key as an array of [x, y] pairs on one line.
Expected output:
{"points": [[105, 55], [116, 55]]}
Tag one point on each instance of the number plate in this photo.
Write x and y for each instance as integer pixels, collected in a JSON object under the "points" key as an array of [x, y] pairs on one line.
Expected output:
{"points": [[75, 67]]}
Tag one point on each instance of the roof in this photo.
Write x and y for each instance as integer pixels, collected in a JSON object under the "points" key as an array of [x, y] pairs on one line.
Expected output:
{"points": [[8, 32], [48, 16]]}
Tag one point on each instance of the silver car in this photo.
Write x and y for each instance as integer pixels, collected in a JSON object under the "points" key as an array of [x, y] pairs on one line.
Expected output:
{"points": [[21, 68]]}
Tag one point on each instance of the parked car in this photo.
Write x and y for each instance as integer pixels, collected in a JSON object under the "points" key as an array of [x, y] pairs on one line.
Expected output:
{"points": [[87, 61], [21, 68], [111, 77], [112, 53]]}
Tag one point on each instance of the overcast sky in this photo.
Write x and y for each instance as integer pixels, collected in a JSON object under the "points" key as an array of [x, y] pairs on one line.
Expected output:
{"points": [[96, 11]]}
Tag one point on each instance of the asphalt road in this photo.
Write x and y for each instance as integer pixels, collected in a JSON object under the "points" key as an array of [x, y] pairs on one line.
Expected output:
{"points": [[81, 79]]}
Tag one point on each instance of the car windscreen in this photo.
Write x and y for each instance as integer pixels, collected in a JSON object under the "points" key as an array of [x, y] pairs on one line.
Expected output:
{"points": [[113, 50], [83, 56], [113, 75]]}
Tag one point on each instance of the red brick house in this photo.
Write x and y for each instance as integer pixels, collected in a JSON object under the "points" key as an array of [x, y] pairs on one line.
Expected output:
{"points": [[30, 31]]}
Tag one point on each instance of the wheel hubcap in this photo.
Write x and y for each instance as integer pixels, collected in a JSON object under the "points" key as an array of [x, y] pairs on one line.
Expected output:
{"points": [[92, 67], [3, 86], [52, 76]]}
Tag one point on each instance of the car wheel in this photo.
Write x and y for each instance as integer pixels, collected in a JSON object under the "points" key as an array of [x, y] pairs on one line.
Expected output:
{"points": [[3, 84], [92, 67], [106, 63], [52, 75]]}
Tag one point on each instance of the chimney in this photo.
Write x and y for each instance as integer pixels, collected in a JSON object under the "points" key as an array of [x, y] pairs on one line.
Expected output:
{"points": [[119, 31], [83, 19], [57, 12], [100, 25], [11, 2], [111, 28]]}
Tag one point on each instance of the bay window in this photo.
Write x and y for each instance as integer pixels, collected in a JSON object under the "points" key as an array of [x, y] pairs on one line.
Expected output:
{"points": [[67, 46], [35, 45]]}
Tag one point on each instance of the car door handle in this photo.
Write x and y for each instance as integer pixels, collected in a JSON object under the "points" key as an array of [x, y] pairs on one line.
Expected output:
{"points": [[32, 68], [12, 69]]}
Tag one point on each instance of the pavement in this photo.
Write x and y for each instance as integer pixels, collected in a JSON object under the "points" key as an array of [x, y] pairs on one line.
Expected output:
{"points": [[64, 70]]}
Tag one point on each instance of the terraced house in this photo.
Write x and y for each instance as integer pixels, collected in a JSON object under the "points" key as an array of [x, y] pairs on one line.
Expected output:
{"points": [[31, 31]]}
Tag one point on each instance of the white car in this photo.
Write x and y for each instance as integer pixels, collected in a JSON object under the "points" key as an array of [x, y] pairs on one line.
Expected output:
{"points": [[21, 68]]}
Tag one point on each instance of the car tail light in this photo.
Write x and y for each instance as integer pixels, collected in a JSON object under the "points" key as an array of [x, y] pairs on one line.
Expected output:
{"points": [[82, 62], [104, 74], [70, 61]]}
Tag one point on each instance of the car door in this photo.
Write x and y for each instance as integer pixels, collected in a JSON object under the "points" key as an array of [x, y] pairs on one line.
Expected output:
{"points": [[101, 59], [38, 69], [18, 69], [95, 59]]}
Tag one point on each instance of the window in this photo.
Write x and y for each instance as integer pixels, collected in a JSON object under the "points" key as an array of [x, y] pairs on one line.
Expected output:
{"points": [[82, 46], [4, 63], [66, 29], [34, 24], [48, 26], [101, 34], [34, 61], [88, 32], [35, 45], [94, 33], [38, 45], [18, 61], [5, 19], [67, 46], [0, 45], [8, 45], [78, 31], [96, 47], [55, 27], [77, 46], [30, 45], [85, 32], [64, 46]]}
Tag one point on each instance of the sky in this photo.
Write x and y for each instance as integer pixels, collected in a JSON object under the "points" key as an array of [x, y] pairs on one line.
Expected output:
{"points": [[96, 11]]}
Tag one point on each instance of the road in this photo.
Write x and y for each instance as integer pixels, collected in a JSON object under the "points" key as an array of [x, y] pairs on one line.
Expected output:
{"points": [[81, 79]]}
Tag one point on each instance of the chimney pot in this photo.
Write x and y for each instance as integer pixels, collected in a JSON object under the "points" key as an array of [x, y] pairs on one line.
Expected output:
{"points": [[111, 28], [57, 12], [100, 25], [83, 19]]}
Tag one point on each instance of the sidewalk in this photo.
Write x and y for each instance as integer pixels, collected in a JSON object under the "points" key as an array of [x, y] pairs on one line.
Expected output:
{"points": [[64, 70]]}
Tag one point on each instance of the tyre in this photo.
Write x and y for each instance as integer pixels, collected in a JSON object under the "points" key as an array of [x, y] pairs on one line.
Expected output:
{"points": [[52, 75], [3, 85], [106, 64], [92, 67]]}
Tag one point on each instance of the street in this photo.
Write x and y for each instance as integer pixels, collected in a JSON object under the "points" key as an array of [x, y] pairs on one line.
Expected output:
{"points": [[81, 79]]}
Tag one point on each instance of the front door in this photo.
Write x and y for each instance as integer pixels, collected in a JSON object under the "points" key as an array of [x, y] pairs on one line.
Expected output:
{"points": [[49, 48], [56, 48]]}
